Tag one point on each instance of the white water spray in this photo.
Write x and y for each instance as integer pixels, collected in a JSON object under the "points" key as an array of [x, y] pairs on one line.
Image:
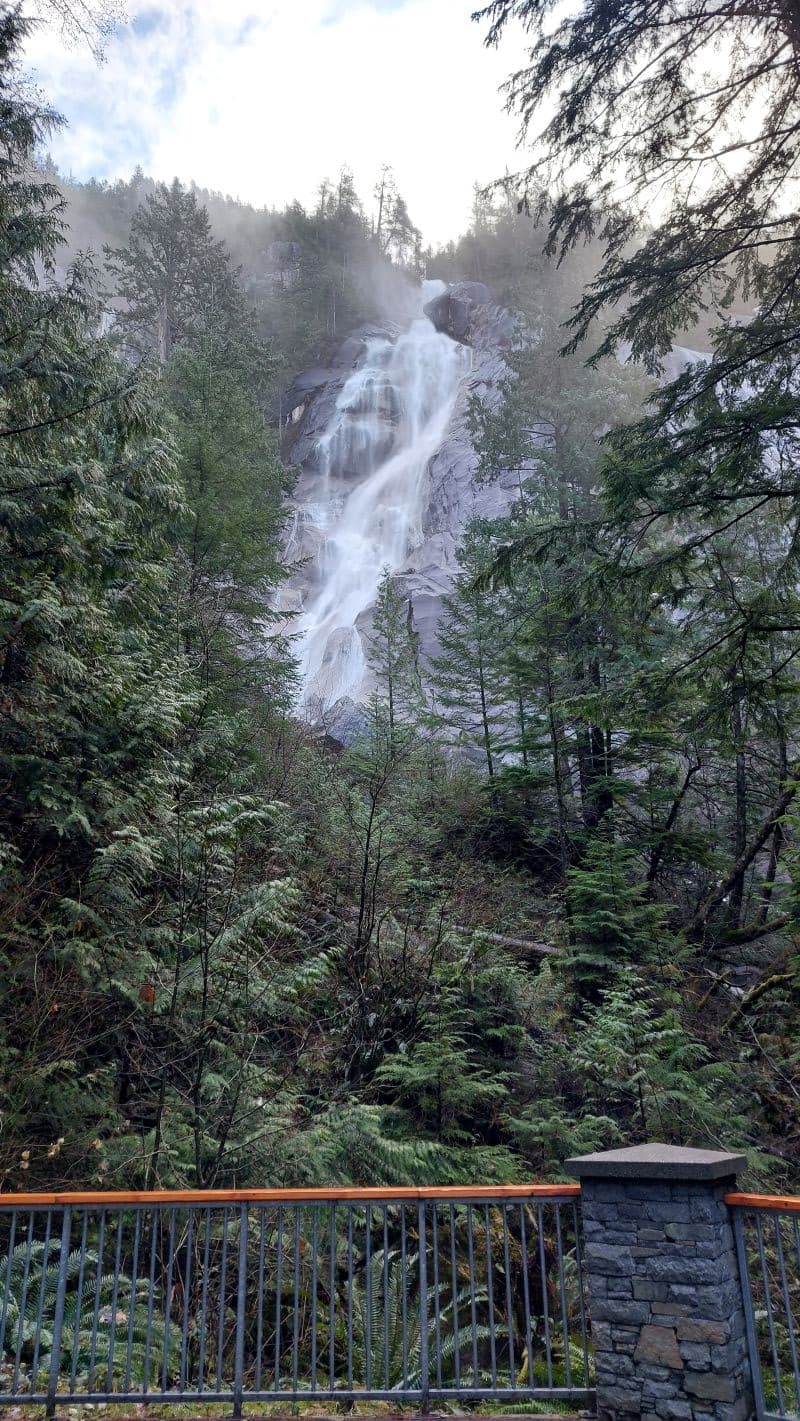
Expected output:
{"points": [[391, 416]]}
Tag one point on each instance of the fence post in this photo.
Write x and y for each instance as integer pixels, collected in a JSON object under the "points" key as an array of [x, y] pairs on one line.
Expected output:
{"points": [[424, 1323], [241, 1308], [665, 1297], [58, 1316]]}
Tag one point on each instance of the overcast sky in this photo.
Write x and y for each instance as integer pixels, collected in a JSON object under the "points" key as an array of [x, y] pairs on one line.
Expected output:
{"points": [[263, 98]]}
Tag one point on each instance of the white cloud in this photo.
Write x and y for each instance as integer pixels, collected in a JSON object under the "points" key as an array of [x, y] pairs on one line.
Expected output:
{"points": [[262, 100]]}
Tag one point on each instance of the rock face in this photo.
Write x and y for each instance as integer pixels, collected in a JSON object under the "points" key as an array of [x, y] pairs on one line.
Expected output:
{"points": [[452, 311], [333, 475]]}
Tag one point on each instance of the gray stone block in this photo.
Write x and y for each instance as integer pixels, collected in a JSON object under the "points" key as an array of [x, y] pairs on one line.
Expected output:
{"points": [[696, 1355], [619, 1310], [710, 1387], [619, 1287], [649, 1291], [686, 1270], [604, 1258], [674, 1409]]}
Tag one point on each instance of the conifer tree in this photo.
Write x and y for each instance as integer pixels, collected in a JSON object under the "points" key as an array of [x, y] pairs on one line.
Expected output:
{"points": [[471, 694], [173, 276], [393, 654]]}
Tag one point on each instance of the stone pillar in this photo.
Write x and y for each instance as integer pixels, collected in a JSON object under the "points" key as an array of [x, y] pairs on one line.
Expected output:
{"points": [[665, 1298]]}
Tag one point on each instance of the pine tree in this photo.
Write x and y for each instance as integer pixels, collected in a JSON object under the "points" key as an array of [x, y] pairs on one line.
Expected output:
{"points": [[612, 923], [393, 654], [174, 278], [471, 694], [89, 699]]}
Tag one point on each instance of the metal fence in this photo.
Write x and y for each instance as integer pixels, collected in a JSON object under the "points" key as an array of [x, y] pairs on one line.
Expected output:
{"points": [[767, 1232], [405, 1295]]}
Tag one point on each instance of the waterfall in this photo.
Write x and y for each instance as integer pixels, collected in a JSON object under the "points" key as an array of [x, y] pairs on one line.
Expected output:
{"points": [[390, 417]]}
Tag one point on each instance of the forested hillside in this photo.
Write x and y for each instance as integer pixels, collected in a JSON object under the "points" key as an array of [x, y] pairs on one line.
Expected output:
{"points": [[546, 902]]}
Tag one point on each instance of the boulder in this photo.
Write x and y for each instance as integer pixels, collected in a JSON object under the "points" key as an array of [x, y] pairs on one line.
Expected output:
{"points": [[453, 311]]}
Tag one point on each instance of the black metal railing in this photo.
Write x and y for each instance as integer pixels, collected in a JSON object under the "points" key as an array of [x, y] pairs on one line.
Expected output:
{"points": [[404, 1295], [767, 1233]]}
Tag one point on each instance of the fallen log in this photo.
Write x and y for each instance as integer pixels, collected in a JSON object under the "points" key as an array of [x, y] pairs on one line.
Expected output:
{"points": [[545, 949]]}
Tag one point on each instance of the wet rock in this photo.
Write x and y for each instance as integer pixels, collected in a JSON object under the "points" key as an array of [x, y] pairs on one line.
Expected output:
{"points": [[453, 312]]}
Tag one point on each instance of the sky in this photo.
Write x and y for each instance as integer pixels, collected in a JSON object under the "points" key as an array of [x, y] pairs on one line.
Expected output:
{"points": [[262, 99]]}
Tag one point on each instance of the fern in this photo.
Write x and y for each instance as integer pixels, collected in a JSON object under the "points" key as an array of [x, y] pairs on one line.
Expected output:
{"points": [[94, 1338]]}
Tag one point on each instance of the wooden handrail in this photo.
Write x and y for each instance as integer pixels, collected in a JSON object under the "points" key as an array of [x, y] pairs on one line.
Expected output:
{"points": [[787, 1203], [118, 1199]]}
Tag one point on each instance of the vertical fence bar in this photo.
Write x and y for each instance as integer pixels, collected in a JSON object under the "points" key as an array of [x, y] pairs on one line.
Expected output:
{"points": [[581, 1305], [278, 1295], [12, 1232], [472, 1295], [437, 1319], [262, 1243], [424, 1361], [509, 1310], [58, 1316], [201, 1358], [368, 1283], [350, 1297], [787, 1307], [187, 1293], [526, 1290], [98, 1279], [796, 1235], [112, 1332], [314, 1246], [490, 1298], [563, 1294], [26, 1267], [386, 1305], [241, 1313], [749, 1312], [545, 1307], [172, 1226], [776, 1366], [40, 1306], [404, 1295], [332, 1302], [73, 1370], [137, 1238], [223, 1279], [298, 1218], [151, 1295], [454, 1285]]}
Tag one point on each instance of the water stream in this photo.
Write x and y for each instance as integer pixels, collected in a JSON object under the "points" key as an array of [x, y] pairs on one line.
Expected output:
{"points": [[390, 417]]}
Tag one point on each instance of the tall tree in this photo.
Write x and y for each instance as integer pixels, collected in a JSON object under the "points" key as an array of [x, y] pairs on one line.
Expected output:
{"points": [[470, 692], [616, 100], [173, 277], [393, 654]]}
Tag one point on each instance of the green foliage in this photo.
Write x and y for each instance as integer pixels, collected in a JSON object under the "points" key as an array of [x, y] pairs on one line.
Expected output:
{"points": [[99, 1311], [173, 278], [393, 654], [643, 1062], [546, 902], [611, 922]]}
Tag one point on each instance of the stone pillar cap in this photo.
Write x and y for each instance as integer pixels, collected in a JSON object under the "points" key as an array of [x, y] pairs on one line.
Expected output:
{"points": [[657, 1161]]}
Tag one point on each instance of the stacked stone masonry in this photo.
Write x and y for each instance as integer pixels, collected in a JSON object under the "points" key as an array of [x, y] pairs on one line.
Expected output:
{"points": [[665, 1301]]}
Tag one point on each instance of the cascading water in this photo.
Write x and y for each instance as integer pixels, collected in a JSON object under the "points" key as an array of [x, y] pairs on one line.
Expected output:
{"points": [[390, 417]]}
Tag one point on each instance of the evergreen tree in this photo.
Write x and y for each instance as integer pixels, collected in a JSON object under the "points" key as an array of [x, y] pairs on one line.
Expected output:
{"points": [[393, 654], [613, 926], [471, 694], [89, 697], [173, 276]]}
